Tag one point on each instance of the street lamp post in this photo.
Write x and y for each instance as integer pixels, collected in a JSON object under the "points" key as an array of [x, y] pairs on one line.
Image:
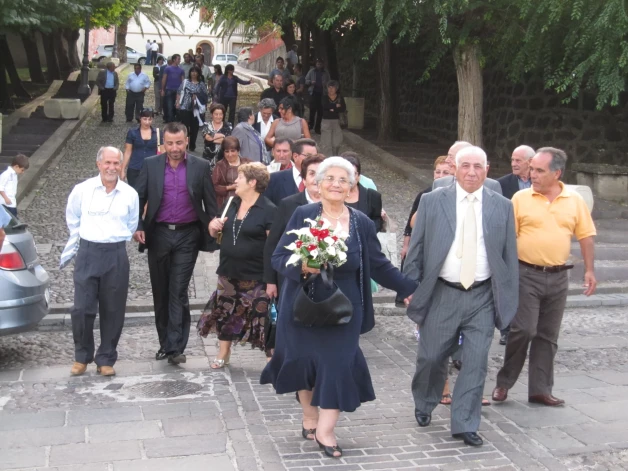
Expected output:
{"points": [[84, 89], [114, 53]]}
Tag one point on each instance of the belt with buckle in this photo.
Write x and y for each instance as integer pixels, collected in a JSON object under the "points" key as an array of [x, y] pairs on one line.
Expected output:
{"points": [[176, 227], [550, 269], [459, 286]]}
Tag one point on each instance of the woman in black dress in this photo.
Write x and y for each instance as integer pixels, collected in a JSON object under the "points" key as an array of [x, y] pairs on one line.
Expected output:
{"points": [[214, 132], [363, 199], [325, 365], [238, 309]]}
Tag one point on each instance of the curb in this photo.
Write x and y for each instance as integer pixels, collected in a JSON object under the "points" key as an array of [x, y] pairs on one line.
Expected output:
{"points": [[142, 314], [421, 178], [42, 157]]}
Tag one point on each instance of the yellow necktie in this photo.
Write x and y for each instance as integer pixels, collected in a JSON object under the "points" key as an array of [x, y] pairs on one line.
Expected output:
{"points": [[468, 246]]}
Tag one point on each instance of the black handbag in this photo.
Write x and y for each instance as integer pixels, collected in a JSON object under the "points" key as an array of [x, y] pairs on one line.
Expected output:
{"points": [[335, 310]]}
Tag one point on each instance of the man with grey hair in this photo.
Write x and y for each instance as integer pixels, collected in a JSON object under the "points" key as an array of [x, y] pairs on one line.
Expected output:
{"points": [[519, 179], [451, 160], [102, 215], [463, 254], [263, 120], [547, 216]]}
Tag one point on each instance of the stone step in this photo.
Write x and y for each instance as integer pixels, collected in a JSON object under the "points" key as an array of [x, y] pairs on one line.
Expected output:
{"points": [[36, 121], [12, 153], [605, 270], [603, 251], [620, 224], [32, 139], [603, 287], [19, 147]]}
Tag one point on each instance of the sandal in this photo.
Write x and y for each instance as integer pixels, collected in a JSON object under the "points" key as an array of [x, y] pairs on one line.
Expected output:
{"points": [[329, 450], [486, 402], [306, 432], [446, 399], [220, 363]]}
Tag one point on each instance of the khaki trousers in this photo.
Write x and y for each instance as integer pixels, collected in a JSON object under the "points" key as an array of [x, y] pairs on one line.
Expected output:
{"points": [[331, 137]]}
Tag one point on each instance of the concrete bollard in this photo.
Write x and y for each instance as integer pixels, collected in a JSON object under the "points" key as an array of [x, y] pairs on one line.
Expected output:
{"points": [[585, 192]]}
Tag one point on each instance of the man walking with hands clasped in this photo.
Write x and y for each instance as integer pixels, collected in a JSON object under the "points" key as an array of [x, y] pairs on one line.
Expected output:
{"points": [[546, 217], [102, 215], [463, 254]]}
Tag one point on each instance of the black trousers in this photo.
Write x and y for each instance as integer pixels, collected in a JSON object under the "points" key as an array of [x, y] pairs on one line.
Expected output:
{"points": [[131, 176], [191, 122], [316, 111], [101, 284], [107, 100], [171, 259], [134, 104], [230, 104], [153, 58]]}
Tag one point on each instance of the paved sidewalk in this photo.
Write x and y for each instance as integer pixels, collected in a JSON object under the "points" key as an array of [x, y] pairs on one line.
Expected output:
{"points": [[154, 416]]}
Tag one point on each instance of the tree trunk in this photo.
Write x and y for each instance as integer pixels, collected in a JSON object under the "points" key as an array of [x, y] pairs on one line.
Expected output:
{"points": [[287, 34], [330, 53], [32, 57], [62, 54], [319, 48], [470, 93], [16, 83], [71, 36], [122, 30], [305, 46], [52, 62], [5, 96], [386, 128]]}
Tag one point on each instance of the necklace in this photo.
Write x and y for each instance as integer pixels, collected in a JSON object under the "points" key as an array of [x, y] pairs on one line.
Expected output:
{"points": [[334, 217], [236, 234]]}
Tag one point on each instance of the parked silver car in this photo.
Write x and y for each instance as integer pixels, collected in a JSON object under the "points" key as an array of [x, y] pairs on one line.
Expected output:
{"points": [[132, 56], [24, 284]]}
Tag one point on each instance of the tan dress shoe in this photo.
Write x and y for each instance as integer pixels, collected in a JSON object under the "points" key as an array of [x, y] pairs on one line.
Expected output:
{"points": [[105, 371], [78, 368]]}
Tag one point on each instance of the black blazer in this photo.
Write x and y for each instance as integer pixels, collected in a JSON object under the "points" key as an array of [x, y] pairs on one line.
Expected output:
{"points": [[150, 188], [280, 186], [509, 184], [284, 212], [370, 203]]}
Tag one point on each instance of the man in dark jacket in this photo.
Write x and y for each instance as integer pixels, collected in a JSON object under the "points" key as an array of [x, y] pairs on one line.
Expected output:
{"points": [[107, 83]]}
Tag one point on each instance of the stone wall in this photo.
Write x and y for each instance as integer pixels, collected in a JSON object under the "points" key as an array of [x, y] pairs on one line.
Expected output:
{"points": [[514, 113]]}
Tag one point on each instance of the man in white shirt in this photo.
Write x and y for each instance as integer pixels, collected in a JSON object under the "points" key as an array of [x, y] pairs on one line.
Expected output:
{"points": [[148, 47], [136, 85], [102, 215], [154, 49], [463, 254]]}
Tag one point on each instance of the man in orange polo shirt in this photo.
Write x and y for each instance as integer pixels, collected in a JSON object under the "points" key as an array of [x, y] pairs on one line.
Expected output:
{"points": [[546, 217]]}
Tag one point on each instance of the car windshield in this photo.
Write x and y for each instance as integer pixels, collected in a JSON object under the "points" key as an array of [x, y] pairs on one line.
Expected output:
{"points": [[130, 49]]}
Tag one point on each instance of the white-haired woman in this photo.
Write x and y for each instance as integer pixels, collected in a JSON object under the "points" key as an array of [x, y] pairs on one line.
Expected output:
{"points": [[324, 365]]}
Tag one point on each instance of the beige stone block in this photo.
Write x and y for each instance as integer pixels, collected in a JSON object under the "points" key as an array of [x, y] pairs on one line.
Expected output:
{"points": [[585, 192], [52, 108]]}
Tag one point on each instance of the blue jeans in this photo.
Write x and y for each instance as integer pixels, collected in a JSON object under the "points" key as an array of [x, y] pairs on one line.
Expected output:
{"points": [[169, 109]]}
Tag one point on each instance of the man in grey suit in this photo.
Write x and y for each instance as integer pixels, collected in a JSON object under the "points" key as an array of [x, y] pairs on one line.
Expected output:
{"points": [[451, 156], [463, 253], [107, 82]]}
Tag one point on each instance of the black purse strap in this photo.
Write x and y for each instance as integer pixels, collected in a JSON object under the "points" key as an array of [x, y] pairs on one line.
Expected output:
{"points": [[326, 275]]}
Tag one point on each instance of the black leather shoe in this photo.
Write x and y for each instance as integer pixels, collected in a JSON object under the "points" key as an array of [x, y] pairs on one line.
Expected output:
{"points": [[469, 438], [176, 358], [503, 339], [329, 450], [422, 418], [457, 364], [161, 355]]}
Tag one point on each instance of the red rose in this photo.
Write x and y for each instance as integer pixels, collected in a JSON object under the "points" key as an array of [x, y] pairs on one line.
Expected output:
{"points": [[335, 239], [324, 233], [312, 247], [314, 231], [320, 222], [299, 244]]}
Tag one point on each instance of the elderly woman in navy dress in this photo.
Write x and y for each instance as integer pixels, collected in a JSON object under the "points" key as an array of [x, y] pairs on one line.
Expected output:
{"points": [[324, 365]]}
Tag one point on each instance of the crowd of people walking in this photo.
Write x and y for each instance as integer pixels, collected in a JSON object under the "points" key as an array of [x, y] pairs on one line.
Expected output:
{"points": [[478, 254]]}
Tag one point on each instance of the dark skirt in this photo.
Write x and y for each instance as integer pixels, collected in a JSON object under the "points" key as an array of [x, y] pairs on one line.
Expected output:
{"points": [[237, 311]]}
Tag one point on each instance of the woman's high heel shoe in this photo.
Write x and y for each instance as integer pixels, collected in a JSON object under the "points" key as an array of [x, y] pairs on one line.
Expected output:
{"points": [[329, 450], [305, 432], [220, 363]]}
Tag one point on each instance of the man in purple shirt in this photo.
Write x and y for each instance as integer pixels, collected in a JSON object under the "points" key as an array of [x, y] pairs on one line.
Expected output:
{"points": [[172, 77], [180, 201]]}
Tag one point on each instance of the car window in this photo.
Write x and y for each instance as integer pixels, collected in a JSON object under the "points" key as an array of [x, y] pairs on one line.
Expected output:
{"points": [[13, 226], [220, 57], [130, 49], [233, 57], [108, 48]]}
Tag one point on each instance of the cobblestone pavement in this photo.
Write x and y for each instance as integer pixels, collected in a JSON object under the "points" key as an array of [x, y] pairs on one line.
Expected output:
{"points": [[156, 416]]}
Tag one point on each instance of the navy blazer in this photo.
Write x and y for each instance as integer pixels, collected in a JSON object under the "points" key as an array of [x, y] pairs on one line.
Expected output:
{"points": [[374, 265], [509, 184], [281, 185]]}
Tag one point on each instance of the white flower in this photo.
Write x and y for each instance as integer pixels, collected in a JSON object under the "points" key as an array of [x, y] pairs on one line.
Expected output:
{"points": [[300, 232], [331, 250], [311, 222], [294, 259], [329, 241], [292, 247], [326, 223], [342, 256], [314, 253]]}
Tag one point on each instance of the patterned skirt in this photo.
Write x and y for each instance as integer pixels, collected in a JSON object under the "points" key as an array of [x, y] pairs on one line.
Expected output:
{"points": [[237, 311]]}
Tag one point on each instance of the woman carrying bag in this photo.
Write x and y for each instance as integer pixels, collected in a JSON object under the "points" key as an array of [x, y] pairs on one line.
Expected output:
{"points": [[324, 364], [191, 104]]}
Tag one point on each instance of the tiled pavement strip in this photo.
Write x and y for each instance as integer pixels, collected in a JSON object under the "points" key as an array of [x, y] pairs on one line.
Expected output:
{"points": [[228, 421]]}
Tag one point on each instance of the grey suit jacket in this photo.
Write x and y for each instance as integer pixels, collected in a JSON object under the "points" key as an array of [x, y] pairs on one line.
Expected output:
{"points": [[432, 236], [101, 79], [488, 183]]}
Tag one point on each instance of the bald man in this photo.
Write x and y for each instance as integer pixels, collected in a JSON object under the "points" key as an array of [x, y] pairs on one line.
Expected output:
{"points": [[102, 215], [451, 160], [519, 179]]}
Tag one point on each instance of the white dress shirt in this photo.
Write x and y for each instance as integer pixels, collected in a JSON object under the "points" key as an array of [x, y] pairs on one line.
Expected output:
{"points": [[137, 83], [154, 47], [8, 184], [264, 127], [452, 265], [103, 217], [296, 174]]}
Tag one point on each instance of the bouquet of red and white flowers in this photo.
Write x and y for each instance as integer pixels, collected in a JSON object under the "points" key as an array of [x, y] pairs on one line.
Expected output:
{"points": [[318, 245]]}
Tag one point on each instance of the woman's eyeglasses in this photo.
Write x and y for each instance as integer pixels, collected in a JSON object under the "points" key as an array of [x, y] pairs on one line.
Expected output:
{"points": [[331, 180]]}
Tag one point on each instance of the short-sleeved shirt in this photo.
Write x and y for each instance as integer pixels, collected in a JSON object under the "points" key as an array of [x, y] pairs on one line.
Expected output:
{"points": [[245, 259], [175, 77], [141, 148], [544, 229], [8, 184]]}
